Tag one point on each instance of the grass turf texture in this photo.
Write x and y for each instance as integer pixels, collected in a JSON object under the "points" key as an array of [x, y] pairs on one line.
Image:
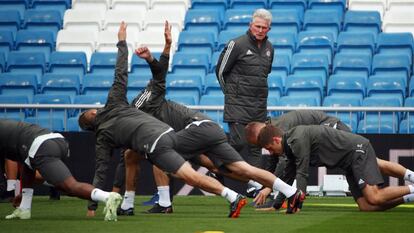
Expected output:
{"points": [[201, 213]]}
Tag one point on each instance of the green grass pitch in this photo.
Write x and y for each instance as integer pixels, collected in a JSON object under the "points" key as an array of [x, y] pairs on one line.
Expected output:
{"points": [[201, 213]]}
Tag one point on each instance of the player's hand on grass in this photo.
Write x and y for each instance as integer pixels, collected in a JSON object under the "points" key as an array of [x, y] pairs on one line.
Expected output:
{"points": [[261, 196]]}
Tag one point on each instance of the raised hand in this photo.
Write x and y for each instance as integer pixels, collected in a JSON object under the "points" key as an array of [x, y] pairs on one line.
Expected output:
{"points": [[144, 53], [167, 33], [122, 31]]}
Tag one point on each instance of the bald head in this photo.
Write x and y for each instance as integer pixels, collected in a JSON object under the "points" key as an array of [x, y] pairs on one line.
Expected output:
{"points": [[252, 131]]}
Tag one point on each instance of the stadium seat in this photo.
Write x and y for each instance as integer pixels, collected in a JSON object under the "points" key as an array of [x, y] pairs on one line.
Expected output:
{"points": [[99, 99], [15, 113], [236, 19], [190, 63], [395, 5], [52, 123], [186, 85], [137, 83], [212, 86], [283, 43], [154, 40], [407, 124], [179, 6], [225, 36], [153, 21], [217, 5], [18, 84], [348, 117], [35, 41], [356, 43], [43, 20], [51, 99], [391, 64], [322, 21], [6, 43], [387, 86], [204, 20], [286, 20], [2, 62], [296, 101], [10, 21], [140, 67], [107, 41], [103, 63], [310, 65], [411, 87], [363, 21], [214, 60], [398, 21], [75, 41], [72, 124], [27, 63], [275, 84], [15, 5], [336, 5], [134, 19], [281, 66], [248, 4], [298, 5], [68, 63], [97, 5], [215, 115], [352, 64], [368, 5], [347, 86], [196, 42], [59, 5], [181, 98], [83, 20], [97, 84], [316, 43], [65, 84], [396, 44], [307, 87], [132, 5]]}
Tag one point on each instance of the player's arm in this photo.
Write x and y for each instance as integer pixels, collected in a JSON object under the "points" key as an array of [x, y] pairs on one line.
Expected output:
{"points": [[226, 62], [118, 91]]}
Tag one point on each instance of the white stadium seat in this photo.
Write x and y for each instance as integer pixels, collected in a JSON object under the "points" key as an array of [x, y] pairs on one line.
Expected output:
{"points": [[155, 20], [83, 20], [368, 5], [398, 21], [134, 5], [96, 5], [134, 20], [154, 40], [107, 41], [180, 6], [73, 40], [407, 5]]}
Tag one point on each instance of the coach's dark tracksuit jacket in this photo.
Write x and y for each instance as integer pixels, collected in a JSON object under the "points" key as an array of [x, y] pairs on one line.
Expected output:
{"points": [[17, 137], [118, 125], [152, 99], [242, 71], [315, 145]]}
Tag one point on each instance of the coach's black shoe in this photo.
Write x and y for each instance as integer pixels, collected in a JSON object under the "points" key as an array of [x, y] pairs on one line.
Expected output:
{"points": [[54, 194], [127, 212], [157, 209], [295, 202], [7, 196], [237, 205]]}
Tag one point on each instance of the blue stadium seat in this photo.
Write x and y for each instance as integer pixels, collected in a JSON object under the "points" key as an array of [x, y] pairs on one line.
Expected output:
{"points": [[197, 42], [214, 60], [296, 101], [215, 115], [336, 5], [15, 113], [363, 21], [52, 123], [188, 85], [51, 99], [235, 19], [310, 65], [281, 66], [225, 36], [356, 43], [396, 44], [43, 20], [352, 64], [60, 5], [68, 63], [27, 63], [65, 84], [2, 62], [6, 43], [347, 86], [205, 20], [212, 86], [380, 122], [316, 43], [35, 41], [248, 4], [322, 21], [140, 66], [283, 43], [286, 20], [308, 87], [190, 63], [103, 63], [99, 99], [298, 5], [181, 98], [407, 124], [391, 65], [15, 5], [97, 84], [72, 124], [216, 5], [10, 21], [275, 84], [390, 86], [137, 83], [411, 87], [18, 84], [349, 118]]}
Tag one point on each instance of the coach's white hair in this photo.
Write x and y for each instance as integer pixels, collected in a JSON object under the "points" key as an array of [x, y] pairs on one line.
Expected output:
{"points": [[264, 14]]}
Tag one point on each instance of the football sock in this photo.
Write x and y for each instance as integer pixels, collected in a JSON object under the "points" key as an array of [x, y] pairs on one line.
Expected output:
{"points": [[408, 198], [254, 184], [11, 185], [27, 196], [164, 192], [229, 194], [99, 195], [409, 176], [284, 188], [128, 201]]}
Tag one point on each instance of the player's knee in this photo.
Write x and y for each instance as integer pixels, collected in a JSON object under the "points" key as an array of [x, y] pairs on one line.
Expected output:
{"points": [[375, 200]]}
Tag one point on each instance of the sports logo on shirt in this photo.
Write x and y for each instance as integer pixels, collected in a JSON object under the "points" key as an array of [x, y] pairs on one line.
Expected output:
{"points": [[268, 53], [249, 52], [361, 181]]}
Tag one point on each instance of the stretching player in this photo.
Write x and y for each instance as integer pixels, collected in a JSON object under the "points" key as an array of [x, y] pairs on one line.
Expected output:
{"points": [[39, 149]]}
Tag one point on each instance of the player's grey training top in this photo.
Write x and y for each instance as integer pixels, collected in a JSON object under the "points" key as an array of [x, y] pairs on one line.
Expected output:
{"points": [[120, 125], [318, 146], [152, 99]]}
